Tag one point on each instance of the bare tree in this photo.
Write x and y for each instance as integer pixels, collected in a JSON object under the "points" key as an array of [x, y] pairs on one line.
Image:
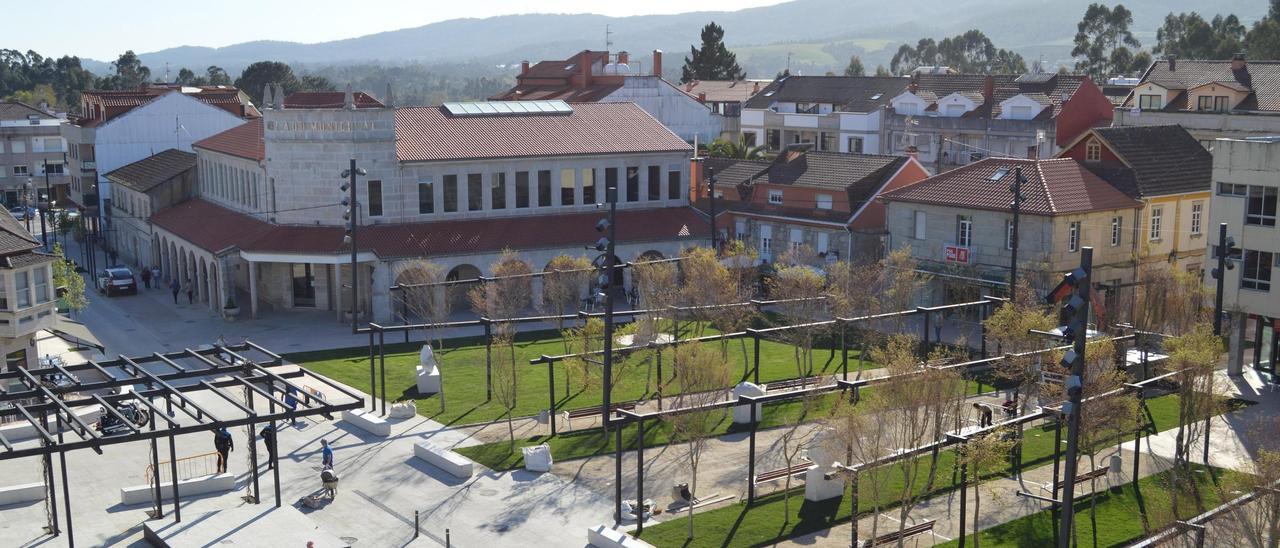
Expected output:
{"points": [[1194, 356], [423, 295], [983, 455], [504, 386], [1171, 300], [798, 431], [900, 284], [702, 376], [800, 291], [503, 297], [852, 290], [1010, 327], [866, 439], [706, 284], [657, 283], [564, 282], [1257, 523]]}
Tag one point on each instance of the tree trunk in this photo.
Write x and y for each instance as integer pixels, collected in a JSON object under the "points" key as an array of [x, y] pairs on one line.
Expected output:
{"points": [[977, 503]]}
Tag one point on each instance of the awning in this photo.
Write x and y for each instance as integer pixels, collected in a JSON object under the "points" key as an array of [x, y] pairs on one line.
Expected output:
{"points": [[75, 333]]}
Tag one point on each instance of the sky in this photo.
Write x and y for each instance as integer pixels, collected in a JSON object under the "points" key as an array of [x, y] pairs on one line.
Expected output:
{"points": [[89, 28]]}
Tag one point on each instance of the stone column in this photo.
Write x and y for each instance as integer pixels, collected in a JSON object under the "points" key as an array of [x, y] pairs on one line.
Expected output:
{"points": [[253, 290]]}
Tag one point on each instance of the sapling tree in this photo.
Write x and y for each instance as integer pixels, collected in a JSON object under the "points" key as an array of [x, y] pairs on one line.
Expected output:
{"points": [[564, 282], [983, 455], [800, 292], [702, 376], [502, 297], [67, 282], [705, 285], [423, 295]]}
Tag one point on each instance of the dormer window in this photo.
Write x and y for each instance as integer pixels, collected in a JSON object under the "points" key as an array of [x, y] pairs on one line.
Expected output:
{"points": [[1093, 151], [1213, 103]]}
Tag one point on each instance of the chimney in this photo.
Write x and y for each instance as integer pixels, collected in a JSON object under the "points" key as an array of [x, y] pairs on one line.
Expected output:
{"points": [[989, 89], [267, 101], [584, 67], [623, 57], [1173, 62], [524, 68], [913, 152], [914, 86], [1237, 62], [657, 63], [688, 86], [702, 97], [348, 100], [755, 88]]}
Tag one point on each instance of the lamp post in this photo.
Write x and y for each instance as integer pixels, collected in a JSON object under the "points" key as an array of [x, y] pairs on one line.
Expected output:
{"points": [[351, 216], [1016, 205]]}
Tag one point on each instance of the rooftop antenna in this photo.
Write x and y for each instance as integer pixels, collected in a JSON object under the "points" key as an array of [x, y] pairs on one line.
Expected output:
{"points": [[608, 37]]}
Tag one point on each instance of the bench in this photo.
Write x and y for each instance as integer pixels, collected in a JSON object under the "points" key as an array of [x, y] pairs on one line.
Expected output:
{"points": [[595, 411], [773, 475], [456, 465], [17, 494], [603, 536], [895, 536], [1087, 476], [792, 384], [367, 421], [215, 483]]}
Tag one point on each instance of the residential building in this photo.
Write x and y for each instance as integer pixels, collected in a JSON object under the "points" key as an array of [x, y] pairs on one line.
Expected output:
{"points": [[823, 200], [30, 139], [725, 97], [959, 225], [454, 184], [954, 119], [120, 127], [1245, 194], [1167, 169], [1233, 98], [143, 188], [835, 113], [601, 77], [28, 300]]}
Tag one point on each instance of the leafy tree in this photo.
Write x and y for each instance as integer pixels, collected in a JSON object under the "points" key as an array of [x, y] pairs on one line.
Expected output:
{"points": [[855, 67], [738, 150], [1141, 61], [1103, 30], [130, 73], [971, 52], [41, 93], [1263, 39], [68, 282], [1189, 36], [185, 77], [881, 71], [312, 82], [502, 298], [259, 74], [564, 282], [216, 76], [713, 61]]}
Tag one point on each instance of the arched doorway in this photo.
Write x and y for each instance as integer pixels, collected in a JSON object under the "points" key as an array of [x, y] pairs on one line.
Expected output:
{"points": [[457, 293]]}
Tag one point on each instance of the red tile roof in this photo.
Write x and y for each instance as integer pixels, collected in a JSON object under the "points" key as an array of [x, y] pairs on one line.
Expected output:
{"points": [[244, 141], [152, 171], [427, 134], [329, 99], [1052, 187], [216, 228]]}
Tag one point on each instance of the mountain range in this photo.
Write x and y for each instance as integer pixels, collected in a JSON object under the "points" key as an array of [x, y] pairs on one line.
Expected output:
{"points": [[812, 35]]}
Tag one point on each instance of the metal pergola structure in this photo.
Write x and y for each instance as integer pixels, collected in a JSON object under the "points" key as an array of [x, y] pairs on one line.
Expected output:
{"points": [[125, 381]]}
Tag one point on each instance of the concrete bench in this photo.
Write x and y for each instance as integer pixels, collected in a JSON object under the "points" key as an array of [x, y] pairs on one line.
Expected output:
{"points": [[368, 422], [17, 494], [444, 459], [217, 483], [603, 536]]}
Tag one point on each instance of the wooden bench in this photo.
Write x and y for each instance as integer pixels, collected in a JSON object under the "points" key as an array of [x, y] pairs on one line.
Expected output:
{"points": [[1087, 476], [792, 384], [595, 411], [895, 536], [773, 475]]}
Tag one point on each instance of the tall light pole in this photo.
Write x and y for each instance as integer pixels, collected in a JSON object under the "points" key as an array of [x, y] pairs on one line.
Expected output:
{"points": [[1226, 250], [1016, 205], [352, 218], [1078, 329]]}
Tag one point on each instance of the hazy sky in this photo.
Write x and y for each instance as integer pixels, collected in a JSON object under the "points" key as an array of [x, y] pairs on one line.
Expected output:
{"points": [[103, 30]]}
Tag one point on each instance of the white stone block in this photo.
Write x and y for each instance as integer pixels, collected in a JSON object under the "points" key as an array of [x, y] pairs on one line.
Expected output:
{"points": [[404, 410], [444, 459], [603, 536], [217, 483], [537, 458], [817, 487], [16, 494], [428, 373], [367, 421], [742, 413]]}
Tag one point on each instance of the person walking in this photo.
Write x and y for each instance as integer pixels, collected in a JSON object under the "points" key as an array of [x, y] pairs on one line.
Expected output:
{"points": [[146, 277], [291, 402], [155, 275], [175, 287], [326, 454], [268, 435], [224, 443], [191, 293]]}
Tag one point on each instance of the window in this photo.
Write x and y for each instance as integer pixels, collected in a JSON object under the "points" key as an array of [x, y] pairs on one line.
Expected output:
{"points": [[964, 230], [766, 240], [749, 138], [1093, 151], [1257, 270], [1204, 102], [568, 185], [51, 169], [826, 141], [588, 186], [775, 196], [426, 198], [824, 240], [1073, 236], [903, 108], [673, 185], [544, 188], [42, 284], [610, 181], [20, 171], [475, 192], [498, 190], [18, 146], [739, 230], [655, 183], [375, 198], [522, 189], [855, 145], [1261, 209], [773, 138], [1020, 112], [450, 193], [1008, 234], [956, 111], [4, 297], [1116, 226], [22, 286], [1197, 212], [1228, 189], [1150, 102], [633, 184], [1221, 103], [919, 224], [824, 201], [797, 238], [1157, 220], [1213, 103]]}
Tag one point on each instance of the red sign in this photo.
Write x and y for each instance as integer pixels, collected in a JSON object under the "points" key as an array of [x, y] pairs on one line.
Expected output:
{"points": [[956, 254]]}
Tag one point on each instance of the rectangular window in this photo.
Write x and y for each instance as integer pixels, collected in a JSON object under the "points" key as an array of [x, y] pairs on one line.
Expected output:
{"points": [[797, 238], [1157, 220], [1093, 151], [426, 198], [739, 229], [775, 196], [964, 230], [544, 188], [1257, 270], [567, 186], [498, 190], [1150, 102], [22, 286], [1116, 227], [655, 183], [1220, 103], [919, 225], [610, 182], [450, 193], [475, 192], [19, 171], [1073, 236], [375, 198], [773, 138], [674, 191], [588, 186], [1228, 189], [1008, 234], [1204, 102], [19, 146], [749, 138], [633, 184], [1261, 210], [826, 141], [42, 284], [855, 145], [1197, 212], [824, 201], [522, 189], [4, 296]]}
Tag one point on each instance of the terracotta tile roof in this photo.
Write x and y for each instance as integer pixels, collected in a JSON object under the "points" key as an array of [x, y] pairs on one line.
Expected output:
{"points": [[117, 102], [215, 228], [852, 93], [1164, 159], [1046, 89], [330, 99], [425, 134], [14, 237], [243, 141], [16, 110], [1053, 187], [1262, 78], [149, 172], [724, 91]]}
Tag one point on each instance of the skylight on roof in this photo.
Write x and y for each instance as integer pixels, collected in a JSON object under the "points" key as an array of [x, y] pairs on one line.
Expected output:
{"points": [[508, 108], [877, 96], [999, 174]]}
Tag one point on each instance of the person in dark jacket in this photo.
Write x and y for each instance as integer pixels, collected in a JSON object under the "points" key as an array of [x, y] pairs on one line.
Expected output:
{"points": [[175, 287], [224, 443], [268, 435], [146, 277]]}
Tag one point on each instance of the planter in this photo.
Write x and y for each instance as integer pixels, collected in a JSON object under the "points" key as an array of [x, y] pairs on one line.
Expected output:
{"points": [[230, 313]]}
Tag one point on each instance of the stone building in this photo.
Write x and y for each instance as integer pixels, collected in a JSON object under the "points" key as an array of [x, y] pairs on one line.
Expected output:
{"points": [[141, 189], [1231, 98]]}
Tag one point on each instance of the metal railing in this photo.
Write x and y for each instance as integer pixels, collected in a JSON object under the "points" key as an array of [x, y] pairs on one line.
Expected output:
{"points": [[195, 466]]}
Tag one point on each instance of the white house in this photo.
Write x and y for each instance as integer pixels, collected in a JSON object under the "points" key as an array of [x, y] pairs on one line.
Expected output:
{"points": [[835, 113]]}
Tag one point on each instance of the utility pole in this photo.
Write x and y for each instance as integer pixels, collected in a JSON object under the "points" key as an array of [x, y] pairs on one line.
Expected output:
{"points": [[352, 218], [1016, 189], [1226, 249], [1078, 329], [711, 178], [604, 281]]}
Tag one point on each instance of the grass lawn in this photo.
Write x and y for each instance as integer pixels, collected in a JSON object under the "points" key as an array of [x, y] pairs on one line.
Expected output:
{"points": [[463, 370]]}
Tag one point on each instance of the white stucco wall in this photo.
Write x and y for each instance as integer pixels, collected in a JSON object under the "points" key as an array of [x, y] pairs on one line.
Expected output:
{"points": [[682, 114]]}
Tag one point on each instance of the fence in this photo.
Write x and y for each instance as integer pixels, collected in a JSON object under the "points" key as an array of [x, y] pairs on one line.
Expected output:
{"points": [[195, 466]]}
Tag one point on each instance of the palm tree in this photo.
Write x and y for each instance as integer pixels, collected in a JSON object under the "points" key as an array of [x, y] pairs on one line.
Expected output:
{"points": [[736, 150]]}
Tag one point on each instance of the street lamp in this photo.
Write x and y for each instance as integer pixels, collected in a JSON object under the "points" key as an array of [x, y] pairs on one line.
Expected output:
{"points": [[351, 217], [26, 203]]}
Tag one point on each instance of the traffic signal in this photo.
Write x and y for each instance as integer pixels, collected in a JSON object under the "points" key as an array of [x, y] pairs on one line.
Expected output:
{"points": [[1232, 254], [604, 277], [1076, 330]]}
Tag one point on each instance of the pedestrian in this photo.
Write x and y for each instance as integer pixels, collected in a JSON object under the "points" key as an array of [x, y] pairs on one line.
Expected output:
{"points": [[291, 402], [155, 275], [326, 454], [985, 410], [329, 479], [224, 443], [174, 287], [146, 277], [1010, 408], [191, 293], [268, 435]]}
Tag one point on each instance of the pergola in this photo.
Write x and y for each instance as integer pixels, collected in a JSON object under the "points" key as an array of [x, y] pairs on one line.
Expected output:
{"points": [[125, 380]]}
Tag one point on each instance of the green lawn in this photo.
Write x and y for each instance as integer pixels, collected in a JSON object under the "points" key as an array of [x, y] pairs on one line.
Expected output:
{"points": [[463, 370]]}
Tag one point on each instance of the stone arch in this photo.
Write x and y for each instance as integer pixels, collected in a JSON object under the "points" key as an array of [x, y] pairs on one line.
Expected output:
{"points": [[458, 292], [202, 281], [400, 301]]}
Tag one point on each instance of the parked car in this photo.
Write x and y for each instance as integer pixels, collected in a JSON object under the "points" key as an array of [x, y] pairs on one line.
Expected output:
{"points": [[115, 280]]}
